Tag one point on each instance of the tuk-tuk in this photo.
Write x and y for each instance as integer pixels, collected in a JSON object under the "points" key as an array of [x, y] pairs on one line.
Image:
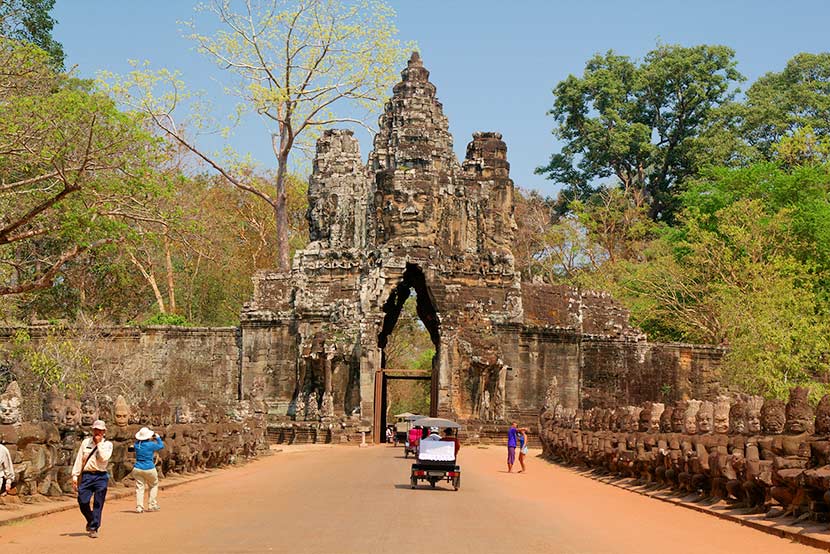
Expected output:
{"points": [[436, 458], [402, 425], [412, 435]]}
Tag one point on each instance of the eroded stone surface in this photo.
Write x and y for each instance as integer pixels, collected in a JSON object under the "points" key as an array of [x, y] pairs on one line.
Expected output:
{"points": [[415, 220]]}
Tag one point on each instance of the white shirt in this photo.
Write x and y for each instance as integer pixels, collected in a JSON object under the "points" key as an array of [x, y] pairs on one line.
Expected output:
{"points": [[96, 462], [6, 463]]}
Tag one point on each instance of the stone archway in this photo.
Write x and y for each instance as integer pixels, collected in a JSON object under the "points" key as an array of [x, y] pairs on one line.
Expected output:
{"points": [[413, 279]]}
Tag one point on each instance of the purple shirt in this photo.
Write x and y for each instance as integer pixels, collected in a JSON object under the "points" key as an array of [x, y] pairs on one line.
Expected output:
{"points": [[511, 437]]}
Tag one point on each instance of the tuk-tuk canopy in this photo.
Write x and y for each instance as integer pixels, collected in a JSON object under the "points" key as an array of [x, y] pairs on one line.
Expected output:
{"points": [[436, 422], [403, 415], [413, 417]]}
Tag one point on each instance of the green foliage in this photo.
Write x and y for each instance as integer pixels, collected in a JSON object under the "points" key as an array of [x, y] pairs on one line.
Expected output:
{"points": [[29, 21], [166, 319], [638, 122]]}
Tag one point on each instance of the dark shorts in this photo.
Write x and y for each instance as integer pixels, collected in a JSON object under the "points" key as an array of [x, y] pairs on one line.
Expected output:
{"points": [[511, 454]]}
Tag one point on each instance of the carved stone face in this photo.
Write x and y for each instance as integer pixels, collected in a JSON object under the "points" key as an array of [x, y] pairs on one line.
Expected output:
{"points": [[799, 414], [690, 417], [183, 414], [678, 417], [772, 417], [666, 419], [10, 405], [704, 418], [89, 412], [644, 422], [53, 408], [122, 412], [823, 416], [407, 209], [753, 415], [72, 413], [720, 423], [737, 417]]}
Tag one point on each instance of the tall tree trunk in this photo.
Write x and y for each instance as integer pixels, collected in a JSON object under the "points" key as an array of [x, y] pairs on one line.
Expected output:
{"points": [[171, 289], [283, 260], [148, 275]]}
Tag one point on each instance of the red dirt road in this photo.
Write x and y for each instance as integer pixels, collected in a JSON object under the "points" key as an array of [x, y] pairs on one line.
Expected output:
{"points": [[337, 500]]}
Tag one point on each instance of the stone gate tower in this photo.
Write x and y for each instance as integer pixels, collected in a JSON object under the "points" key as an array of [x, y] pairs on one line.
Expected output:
{"points": [[413, 218]]}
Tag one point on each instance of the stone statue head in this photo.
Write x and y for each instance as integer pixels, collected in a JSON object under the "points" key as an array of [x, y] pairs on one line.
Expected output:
{"points": [[657, 409], [798, 412], [679, 416], [754, 405], [155, 413], [773, 417], [183, 414], [644, 421], [633, 418], [10, 402], [737, 416], [407, 206], [720, 423], [690, 417], [122, 412], [89, 410], [823, 416], [71, 411], [53, 406], [704, 418], [666, 419]]}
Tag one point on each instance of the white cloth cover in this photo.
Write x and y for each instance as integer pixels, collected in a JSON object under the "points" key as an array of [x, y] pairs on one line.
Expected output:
{"points": [[437, 451]]}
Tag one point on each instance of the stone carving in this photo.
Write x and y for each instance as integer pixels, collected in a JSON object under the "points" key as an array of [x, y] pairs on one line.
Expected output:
{"points": [[89, 410], [122, 412], [10, 402], [53, 407], [71, 411], [746, 451], [413, 218]]}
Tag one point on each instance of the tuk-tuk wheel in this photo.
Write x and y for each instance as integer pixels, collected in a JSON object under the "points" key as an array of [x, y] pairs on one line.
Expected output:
{"points": [[432, 483], [456, 483], [405, 453], [413, 482]]}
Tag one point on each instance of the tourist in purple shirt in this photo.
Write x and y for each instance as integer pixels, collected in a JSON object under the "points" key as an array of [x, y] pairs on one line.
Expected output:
{"points": [[511, 446]]}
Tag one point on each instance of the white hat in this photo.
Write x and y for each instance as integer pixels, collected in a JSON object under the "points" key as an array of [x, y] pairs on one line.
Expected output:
{"points": [[99, 424], [144, 434]]}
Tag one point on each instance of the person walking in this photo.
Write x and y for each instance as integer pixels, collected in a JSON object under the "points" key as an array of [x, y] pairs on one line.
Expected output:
{"points": [[522, 448], [6, 471], [147, 443], [89, 476], [512, 437]]}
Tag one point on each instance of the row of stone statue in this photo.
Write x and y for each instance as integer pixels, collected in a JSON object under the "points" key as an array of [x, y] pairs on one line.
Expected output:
{"points": [[760, 455], [196, 435]]}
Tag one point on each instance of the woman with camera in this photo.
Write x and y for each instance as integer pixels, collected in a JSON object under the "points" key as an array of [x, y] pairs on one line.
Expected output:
{"points": [[144, 472]]}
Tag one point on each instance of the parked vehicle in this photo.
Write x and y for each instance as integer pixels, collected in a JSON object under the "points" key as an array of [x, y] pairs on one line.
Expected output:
{"points": [[436, 459]]}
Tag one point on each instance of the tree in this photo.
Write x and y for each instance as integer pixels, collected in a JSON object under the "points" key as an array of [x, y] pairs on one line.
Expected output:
{"points": [[29, 20], [292, 63], [778, 105], [638, 122], [73, 172]]}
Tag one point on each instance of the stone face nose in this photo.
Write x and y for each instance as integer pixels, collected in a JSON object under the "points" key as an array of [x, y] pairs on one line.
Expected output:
{"points": [[410, 210]]}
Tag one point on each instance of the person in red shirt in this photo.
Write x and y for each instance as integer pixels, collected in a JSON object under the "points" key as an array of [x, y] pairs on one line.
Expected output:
{"points": [[449, 437]]}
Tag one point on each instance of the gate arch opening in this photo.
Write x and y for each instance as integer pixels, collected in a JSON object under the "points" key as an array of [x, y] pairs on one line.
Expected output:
{"points": [[413, 280]]}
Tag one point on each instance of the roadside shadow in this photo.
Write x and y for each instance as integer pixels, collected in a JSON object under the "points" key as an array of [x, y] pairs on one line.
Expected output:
{"points": [[424, 488], [74, 534]]}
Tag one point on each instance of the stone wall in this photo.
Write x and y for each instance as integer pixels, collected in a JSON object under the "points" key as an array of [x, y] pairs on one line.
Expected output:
{"points": [[204, 359]]}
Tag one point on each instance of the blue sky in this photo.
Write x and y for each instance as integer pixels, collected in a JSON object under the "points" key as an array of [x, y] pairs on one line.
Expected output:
{"points": [[494, 62]]}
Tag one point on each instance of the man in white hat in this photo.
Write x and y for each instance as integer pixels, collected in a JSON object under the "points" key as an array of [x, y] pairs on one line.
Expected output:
{"points": [[89, 475], [144, 471]]}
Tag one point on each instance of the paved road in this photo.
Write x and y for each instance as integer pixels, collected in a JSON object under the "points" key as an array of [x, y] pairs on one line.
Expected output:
{"points": [[350, 500]]}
